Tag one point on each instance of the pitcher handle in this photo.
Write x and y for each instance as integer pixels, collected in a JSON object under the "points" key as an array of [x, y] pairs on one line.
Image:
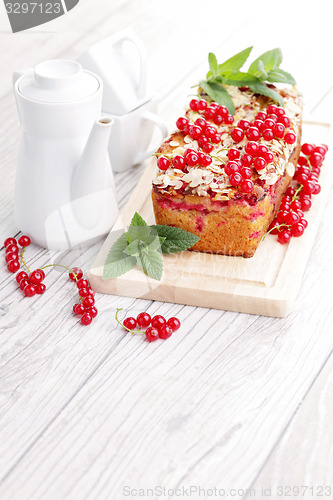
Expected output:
{"points": [[148, 115], [130, 36]]}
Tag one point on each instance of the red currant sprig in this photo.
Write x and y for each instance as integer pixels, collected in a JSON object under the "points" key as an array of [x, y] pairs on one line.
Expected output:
{"points": [[153, 328], [86, 306]]}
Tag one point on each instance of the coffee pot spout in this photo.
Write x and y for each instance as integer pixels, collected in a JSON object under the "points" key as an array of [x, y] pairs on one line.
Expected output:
{"points": [[92, 174]]}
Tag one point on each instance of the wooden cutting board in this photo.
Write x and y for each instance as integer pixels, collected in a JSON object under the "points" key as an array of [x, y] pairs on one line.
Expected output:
{"points": [[266, 284]]}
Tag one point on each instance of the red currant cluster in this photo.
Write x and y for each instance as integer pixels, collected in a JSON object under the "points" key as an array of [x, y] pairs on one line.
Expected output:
{"points": [[29, 282], [290, 219], [86, 305], [156, 327], [190, 158], [270, 124]]}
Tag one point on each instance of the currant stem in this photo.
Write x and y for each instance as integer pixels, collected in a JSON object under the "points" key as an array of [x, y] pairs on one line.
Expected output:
{"points": [[298, 190], [278, 227], [22, 259], [133, 332]]}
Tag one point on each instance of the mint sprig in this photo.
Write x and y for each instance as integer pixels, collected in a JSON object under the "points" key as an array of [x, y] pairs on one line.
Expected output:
{"points": [[144, 245], [266, 68]]}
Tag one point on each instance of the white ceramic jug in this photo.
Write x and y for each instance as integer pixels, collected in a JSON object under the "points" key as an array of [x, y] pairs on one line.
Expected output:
{"points": [[65, 195]]}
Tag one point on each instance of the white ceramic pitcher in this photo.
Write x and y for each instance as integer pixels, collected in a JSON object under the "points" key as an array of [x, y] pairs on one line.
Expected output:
{"points": [[65, 193]]}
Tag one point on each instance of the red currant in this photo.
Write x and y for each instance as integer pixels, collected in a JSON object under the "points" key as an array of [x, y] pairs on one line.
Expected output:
{"points": [[82, 283], [278, 130], [13, 266], [179, 162], [143, 319], [202, 105], [24, 282], [292, 218], [252, 148], [181, 122], [271, 109], [308, 187], [158, 321], [75, 274], [24, 241], [237, 134], [274, 227], [279, 112], [305, 203], [130, 323], [151, 334], [218, 119], [84, 292], [11, 256], [78, 309], [263, 150], [317, 188], [207, 147], [258, 124], [37, 276], [243, 124], [192, 159], [297, 229], [252, 133], [261, 116], [194, 104], [290, 191], [10, 241], [315, 159], [284, 120], [29, 290], [165, 332], [86, 318], [12, 249], [268, 134], [88, 302], [40, 288], [200, 122], [246, 160], [269, 157], [246, 186], [204, 160], [296, 204], [92, 311], [290, 137], [233, 154], [173, 323], [268, 123], [229, 120], [235, 178], [210, 113], [282, 216], [260, 163], [307, 149], [284, 236], [246, 172], [21, 275], [231, 166], [163, 163]]}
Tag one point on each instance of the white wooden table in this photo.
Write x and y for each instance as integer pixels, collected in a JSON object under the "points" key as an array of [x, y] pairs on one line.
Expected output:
{"points": [[234, 404]]}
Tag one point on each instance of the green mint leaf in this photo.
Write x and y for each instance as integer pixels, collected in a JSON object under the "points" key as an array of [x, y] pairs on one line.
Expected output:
{"points": [[270, 60], [213, 64], [176, 239], [281, 76], [117, 262], [218, 94], [137, 220], [141, 233], [261, 88], [239, 79], [151, 262], [235, 62], [133, 248]]}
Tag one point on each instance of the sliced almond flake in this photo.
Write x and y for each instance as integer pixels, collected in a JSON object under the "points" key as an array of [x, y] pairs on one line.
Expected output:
{"points": [[221, 197], [290, 169], [272, 179], [177, 185], [201, 191], [179, 151], [174, 144], [157, 181]]}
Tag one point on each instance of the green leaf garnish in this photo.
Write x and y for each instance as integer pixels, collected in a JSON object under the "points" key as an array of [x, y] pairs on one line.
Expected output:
{"points": [[144, 245], [266, 68]]}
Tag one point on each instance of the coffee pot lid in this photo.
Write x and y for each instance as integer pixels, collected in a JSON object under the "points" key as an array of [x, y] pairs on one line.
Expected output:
{"points": [[121, 62], [58, 81]]}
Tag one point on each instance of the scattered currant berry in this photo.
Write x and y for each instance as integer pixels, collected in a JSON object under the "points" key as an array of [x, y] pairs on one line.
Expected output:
{"points": [[158, 321], [24, 241], [37, 276], [252, 134], [20, 276], [229, 120], [13, 266], [233, 154], [10, 241], [194, 104], [174, 323], [29, 290], [92, 311], [284, 120], [40, 288], [260, 163], [82, 283], [86, 318], [165, 332], [246, 160], [24, 282], [297, 229], [143, 319], [244, 124], [151, 334], [179, 162], [268, 134], [279, 130], [75, 274], [290, 138], [202, 105], [12, 249], [252, 148], [307, 149], [246, 186], [130, 323], [78, 309], [271, 109], [88, 302], [284, 236], [235, 178], [315, 159]]}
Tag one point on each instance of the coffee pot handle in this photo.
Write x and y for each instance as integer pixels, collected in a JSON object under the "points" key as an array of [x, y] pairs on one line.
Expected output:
{"points": [[148, 115], [129, 36]]}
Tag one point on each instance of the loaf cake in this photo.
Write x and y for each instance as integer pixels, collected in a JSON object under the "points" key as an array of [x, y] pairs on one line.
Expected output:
{"points": [[222, 177]]}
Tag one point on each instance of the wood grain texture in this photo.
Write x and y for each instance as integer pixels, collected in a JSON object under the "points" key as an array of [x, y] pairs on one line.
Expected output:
{"points": [[87, 411]]}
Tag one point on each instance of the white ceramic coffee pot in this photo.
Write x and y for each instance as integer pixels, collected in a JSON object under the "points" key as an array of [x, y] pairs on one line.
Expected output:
{"points": [[65, 195]]}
